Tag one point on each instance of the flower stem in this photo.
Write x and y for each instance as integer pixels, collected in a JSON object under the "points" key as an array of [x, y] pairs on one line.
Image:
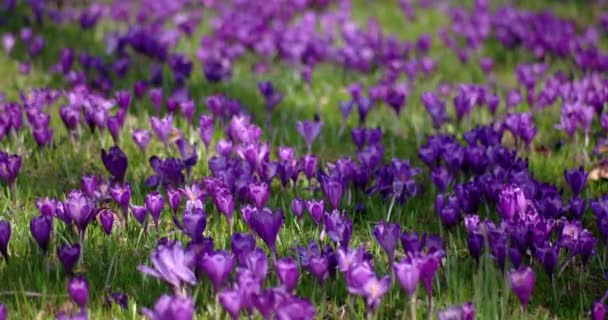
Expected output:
{"points": [[412, 307], [390, 209]]}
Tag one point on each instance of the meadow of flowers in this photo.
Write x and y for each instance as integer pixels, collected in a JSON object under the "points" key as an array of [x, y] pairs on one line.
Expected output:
{"points": [[303, 159]]}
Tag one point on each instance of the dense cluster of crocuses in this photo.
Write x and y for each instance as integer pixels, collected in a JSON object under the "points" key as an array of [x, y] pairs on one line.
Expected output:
{"points": [[210, 161]]}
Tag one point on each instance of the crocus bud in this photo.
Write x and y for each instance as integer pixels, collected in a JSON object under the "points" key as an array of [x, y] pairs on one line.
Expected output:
{"points": [[154, 204], [297, 207], [79, 291], [40, 228], [522, 284], [115, 162], [387, 235], [287, 272], [106, 218], [68, 256], [266, 225], [217, 267], [408, 274]]}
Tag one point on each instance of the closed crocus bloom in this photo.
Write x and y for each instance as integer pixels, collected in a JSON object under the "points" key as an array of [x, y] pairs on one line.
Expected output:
{"points": [[387, 235], [141, 138], [205, 129], [162, 127], [266, 225], [258, 193], [121, 194], [319, 267], [3, 312], [576, 179], [115, 162], [68, 256], [154, 204], [174, 308], [297, 207], [5, 237], [217, 267], [287, 272], [309, 130], [598, 311], [139, 212], [41, 227], [231, 302], [522, 284], [511, 202], [79, 291], [408, 274], [224, 202], [468, 311], [332, 190], [308, 165], [293, 308], [106, 218], [89, 185], [316, 209], [241, 245]]}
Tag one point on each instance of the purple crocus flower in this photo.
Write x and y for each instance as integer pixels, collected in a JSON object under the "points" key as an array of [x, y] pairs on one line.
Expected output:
{"points": [[79, 291], [68, 256], [270, 94], [463, 312], [241, 245], [258, 193], [205, 129], [408, 273], [598, 311], [332, 190], [115, 162], [297, 207], [338, 227], [511, 202], [140, 213], [41, 227], [121, 194], [576, 179], [217, 267], [224, 202], [9, 167], [170, 266], [141, 138], [174, 308], [522, 284], [387, 235], [294, 308], [3, 312], [5, 237], [374, 289], [316, 209], [162, 127], [106, 218], [154, 204], [231, 301], [166, 172], [309, 130], [188, 154], [266, 225], [287, 272]]}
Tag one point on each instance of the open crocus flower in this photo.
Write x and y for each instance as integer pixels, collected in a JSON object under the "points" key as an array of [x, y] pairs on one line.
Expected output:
{"points": [[170, 266], [167, 307], [309, 130]]}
